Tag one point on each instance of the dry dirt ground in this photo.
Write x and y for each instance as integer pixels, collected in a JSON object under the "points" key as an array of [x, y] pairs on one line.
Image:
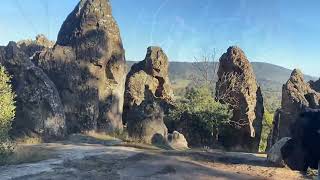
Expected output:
{"points": [[114, 160]]}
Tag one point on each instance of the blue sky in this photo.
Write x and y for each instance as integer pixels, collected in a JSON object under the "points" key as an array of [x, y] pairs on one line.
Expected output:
{"points": [[282, 32]]}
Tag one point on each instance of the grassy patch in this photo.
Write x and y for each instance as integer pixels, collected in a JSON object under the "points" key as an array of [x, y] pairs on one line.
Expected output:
{"points": [[100, 136], [26, 140], [29, 154]]}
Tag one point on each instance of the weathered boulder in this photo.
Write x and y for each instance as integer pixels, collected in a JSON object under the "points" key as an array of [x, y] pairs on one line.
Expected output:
{"points": [[148, 96], [237, 86], [274, 154], [303, 150], [177, 141], [30, 47], [87, 64], [39, 109], [297, 96]]}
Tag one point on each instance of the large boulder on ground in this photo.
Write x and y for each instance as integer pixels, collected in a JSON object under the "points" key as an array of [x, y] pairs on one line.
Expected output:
{"points": [[274, 154], [297, 96], [30, 47], [87, 64], [237, 86], [303, 150], [39, 109], [177, 141], [148, 96]]}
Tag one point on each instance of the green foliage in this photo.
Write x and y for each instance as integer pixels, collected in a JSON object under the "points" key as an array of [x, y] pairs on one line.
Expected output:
{"points": [[266, 128], [206, 115], [7, 113]]}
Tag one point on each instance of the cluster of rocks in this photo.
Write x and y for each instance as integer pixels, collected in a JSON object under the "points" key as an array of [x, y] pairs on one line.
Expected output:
{"points": [[77, 84], [30, 47], [294, 138], [80, 83], [237, 86]]}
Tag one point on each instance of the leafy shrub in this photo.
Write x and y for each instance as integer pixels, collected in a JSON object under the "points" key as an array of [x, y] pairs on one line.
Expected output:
{"points": [[7, 113], [266, 128], [199, 117]]}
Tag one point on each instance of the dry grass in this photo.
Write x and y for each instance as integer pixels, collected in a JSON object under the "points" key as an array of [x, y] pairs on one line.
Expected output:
{"points": [[100, 136], [27, 140], [29, 154]]}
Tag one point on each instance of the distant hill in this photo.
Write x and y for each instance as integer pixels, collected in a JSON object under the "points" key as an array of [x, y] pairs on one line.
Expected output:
{"points": [[271, 78]]}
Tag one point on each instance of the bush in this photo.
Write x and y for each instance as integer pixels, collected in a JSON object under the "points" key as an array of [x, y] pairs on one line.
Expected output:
{"points": [[266, 128], [199, 117], [7, 113]]}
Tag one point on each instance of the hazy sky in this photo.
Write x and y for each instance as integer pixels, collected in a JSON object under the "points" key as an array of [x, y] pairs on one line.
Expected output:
{"points": [[282, 32]]}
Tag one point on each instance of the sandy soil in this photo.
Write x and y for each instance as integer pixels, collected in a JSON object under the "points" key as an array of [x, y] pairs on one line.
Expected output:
{"points": [[80, 161]]}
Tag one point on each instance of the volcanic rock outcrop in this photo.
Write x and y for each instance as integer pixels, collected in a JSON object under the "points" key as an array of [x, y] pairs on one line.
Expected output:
{"points": [[297, 96], [38, 106], [148, 96], [87, 64], [302, 151], [237, 87], [275, 155], [30, 47], [315, 85]]}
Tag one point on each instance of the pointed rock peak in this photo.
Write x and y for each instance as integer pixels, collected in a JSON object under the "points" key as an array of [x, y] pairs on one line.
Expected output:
{"points": [[235, 50], [90, 18], [94, 5], [157, 62], [44, 41], [296, 76], [296, 72], [235, 55], [235, 60], [12, 50]]}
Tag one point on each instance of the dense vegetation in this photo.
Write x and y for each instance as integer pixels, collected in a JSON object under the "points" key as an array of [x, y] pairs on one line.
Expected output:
{"points": [[7, 113], [266, 128], [202, 114]]}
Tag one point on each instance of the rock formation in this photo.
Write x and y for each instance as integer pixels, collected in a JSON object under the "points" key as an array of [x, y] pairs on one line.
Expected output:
{"points": [[39, 109], [87, 64], [177, 141], [297, 96], [274, 154], [148, 95], [315, 85], [302, 151], [237, 86], [30, 47]]}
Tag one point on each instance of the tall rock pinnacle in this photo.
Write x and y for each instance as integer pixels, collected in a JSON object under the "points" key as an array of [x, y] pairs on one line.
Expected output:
{"points": [[237, 87], [88, 66]]}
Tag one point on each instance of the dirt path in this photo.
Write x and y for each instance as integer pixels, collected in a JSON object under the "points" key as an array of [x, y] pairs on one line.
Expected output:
{"points": [[96, 161]]}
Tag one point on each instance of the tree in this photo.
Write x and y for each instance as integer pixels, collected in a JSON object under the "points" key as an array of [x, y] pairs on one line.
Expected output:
{"points": [[206, 67], [203, 115], [266, 128], [7, 112]]}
